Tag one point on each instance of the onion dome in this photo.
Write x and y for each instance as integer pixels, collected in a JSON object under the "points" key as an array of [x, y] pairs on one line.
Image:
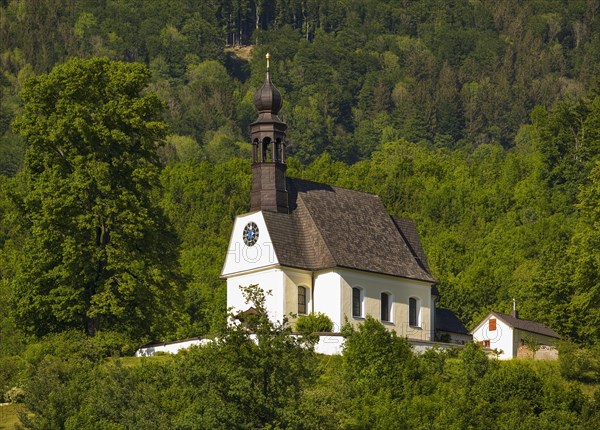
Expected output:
{"points": [[268, 98]]}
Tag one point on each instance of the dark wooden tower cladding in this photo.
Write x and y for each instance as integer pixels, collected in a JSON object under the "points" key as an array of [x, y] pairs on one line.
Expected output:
{"points": [[269, 191]]}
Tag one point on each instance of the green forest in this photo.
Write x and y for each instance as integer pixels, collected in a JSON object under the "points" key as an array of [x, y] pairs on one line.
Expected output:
{"points": [[125, 157]]}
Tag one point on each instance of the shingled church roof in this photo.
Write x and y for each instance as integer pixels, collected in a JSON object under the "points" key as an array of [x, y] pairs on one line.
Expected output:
{"points": [[335, 227]]}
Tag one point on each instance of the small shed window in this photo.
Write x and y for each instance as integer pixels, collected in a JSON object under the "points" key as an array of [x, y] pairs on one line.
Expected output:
{"points": [[492, 324], [302, 300]]}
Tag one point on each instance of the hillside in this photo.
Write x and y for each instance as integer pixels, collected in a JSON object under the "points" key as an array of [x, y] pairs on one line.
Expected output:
{"points": [[479, 119], [476, 118]]}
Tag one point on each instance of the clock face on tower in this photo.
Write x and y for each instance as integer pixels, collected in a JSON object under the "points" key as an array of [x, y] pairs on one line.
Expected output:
{"points": [[250, 234]]}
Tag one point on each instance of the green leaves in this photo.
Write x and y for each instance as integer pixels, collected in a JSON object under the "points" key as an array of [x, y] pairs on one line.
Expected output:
{"points": [[376, 359], [314, 323], [100, 252]]}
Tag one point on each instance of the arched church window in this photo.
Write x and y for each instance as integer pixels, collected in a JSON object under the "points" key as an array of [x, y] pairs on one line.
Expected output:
{"points": [[414, 312], [302, 301], [386, 307], [266, 150], [357, 302]]}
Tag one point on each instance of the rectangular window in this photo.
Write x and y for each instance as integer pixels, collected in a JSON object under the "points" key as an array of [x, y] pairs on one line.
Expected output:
{"points": [[356, 302], [302, 300], [492, 324]]}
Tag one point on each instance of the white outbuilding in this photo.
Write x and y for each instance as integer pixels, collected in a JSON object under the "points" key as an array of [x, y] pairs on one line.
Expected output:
{"points": [[513, 337]]}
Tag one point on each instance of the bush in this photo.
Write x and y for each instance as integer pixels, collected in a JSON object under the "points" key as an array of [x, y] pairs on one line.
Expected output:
{"points": [[578, 364], [71, 345], [314, 323], [10, 367], [14, 395], [113, 344], [375, 358]]}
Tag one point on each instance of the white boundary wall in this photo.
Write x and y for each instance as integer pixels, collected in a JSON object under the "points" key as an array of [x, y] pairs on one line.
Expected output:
{"points": [[328, 344], [169, 347]]}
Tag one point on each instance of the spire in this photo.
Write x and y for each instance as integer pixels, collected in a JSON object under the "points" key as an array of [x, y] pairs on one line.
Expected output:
{"points": [[268, 150], [268, 98]]}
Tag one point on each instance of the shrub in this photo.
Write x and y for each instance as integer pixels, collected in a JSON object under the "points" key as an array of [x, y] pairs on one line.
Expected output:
{"points": [[577, 363], [10, 367], [314, 323], [14, 395]]}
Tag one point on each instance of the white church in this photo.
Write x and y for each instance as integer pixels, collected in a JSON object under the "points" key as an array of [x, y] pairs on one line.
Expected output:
{"points": [[320, 248]]}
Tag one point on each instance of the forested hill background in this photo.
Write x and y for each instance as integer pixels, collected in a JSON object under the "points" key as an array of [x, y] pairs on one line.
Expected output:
{"points": [[480, 119]]}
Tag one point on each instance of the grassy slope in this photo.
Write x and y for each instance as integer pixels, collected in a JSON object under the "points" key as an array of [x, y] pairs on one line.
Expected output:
{"points": [[8, 417]]}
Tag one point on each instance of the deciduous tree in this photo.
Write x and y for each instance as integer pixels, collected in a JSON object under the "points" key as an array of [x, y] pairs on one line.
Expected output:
{"points": [[100, 254]]}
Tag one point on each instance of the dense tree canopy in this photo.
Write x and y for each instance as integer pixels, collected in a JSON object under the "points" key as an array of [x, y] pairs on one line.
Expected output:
{"points": [[454, 75], [100, 253]]}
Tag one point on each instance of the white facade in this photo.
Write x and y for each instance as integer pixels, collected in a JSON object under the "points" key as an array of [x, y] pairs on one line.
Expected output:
{"points": [[241, 258], [328, 291], [500, 338], [329, 344]]}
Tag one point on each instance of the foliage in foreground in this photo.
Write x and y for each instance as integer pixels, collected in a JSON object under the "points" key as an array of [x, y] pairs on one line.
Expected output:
{"points": [[314, 323], [479, 121], [378, 383], [234, 382]]}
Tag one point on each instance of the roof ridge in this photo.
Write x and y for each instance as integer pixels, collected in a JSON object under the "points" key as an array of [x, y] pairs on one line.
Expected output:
{"points": [[514, 318], [417, 257], [321, 238], [335, 186]]}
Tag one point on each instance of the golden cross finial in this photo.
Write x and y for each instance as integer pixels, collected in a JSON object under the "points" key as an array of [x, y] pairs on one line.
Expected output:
{"points": [[268, 58]]}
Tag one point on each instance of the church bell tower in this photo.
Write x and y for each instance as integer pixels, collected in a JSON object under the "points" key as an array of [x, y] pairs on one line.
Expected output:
{"points": [[269, 191]]}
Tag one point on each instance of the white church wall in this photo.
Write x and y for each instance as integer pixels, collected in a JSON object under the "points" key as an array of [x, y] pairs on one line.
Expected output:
{"points": [[331, 294], [242, 258], [270, 280], [170, 347], [401, 290], [328, 344], [328, 298]]}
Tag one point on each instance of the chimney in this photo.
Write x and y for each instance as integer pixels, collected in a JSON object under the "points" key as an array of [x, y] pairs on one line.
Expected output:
{"points": [[514, 312]]}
